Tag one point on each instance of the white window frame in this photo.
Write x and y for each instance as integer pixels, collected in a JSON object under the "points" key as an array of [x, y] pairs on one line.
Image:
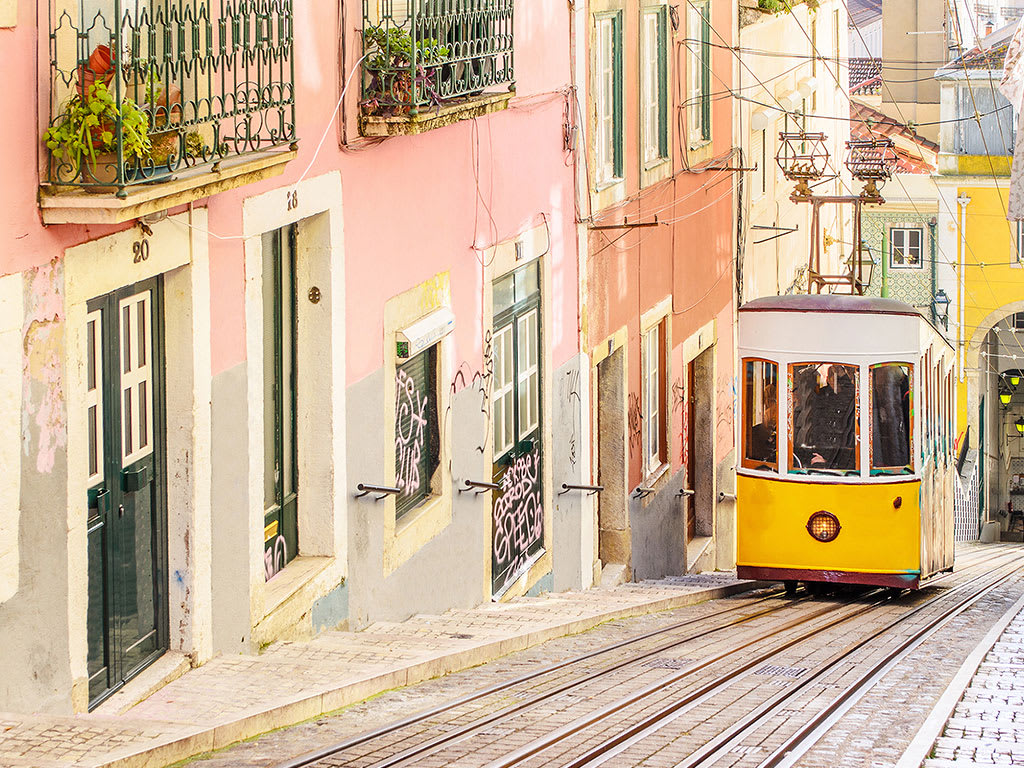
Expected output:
{"points": [[604, 99], [136, 377], [652, 98], [503, 391], [529, 372], [695, 76], [907, 248], [94, 394], [651, 383]]}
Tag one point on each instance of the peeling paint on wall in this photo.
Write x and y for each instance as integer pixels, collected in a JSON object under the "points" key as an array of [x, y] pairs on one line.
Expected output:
{"points": [[42, 365]]}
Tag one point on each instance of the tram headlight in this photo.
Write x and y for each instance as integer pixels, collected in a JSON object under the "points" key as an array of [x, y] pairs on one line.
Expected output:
{"points": [[823, 526]]}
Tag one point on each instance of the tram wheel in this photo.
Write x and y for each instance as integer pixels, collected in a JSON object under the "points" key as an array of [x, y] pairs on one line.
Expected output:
{"points": [[790, 588]]}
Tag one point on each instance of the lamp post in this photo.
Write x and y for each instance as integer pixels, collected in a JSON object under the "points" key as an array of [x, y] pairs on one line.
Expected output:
{"points": [[940, 308], [1005, 395]]}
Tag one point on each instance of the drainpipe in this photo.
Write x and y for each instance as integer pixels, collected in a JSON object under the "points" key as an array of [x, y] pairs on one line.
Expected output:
{"points": [[885, 268], [932, 234], [962, 201]]}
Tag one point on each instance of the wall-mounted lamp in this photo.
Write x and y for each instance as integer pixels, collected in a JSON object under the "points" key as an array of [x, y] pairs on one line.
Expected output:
{"points": [[940, 308], [1014, 379], [1005, 395], [1019, 424]]}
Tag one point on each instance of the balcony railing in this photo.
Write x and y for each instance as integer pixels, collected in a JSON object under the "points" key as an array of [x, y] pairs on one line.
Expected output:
{"points": [[426, 54], [143, 90]]}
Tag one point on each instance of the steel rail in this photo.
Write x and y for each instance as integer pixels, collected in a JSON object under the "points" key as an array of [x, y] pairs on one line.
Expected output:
{"points": [[719, 746], [355, 741], [310, 758], [807, 736], [693, 698]]}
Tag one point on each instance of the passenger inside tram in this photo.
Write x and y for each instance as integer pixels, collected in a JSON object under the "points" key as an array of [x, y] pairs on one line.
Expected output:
{"points": [[890, 419], [760, 415], [824, 419]]}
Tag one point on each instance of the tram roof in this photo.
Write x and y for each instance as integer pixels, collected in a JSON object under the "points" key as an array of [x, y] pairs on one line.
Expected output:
{"points": [[830, 303]]}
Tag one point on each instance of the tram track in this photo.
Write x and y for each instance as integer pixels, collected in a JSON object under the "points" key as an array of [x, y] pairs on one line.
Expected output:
{"points": [[727, 741], [466, 731]]}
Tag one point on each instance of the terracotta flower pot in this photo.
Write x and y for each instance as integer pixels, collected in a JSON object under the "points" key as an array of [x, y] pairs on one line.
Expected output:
{"points": [[103, 172], [100, 68]]}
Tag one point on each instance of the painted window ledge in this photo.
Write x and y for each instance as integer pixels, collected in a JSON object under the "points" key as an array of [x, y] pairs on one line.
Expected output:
{"points": [[76, 206], [430, 118]]}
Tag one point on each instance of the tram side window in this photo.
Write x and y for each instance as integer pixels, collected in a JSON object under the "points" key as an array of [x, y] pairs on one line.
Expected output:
{"points": [[891, 413], [760, 415], [824, 419]]}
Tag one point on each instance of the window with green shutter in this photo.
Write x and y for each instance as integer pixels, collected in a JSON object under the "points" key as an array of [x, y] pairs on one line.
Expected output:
{"points": [[608, 98], [417, 443], [654, 93], [699, 77]]}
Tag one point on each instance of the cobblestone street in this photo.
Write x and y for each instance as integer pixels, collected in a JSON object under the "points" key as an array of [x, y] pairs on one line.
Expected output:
{"points": [[738, 681]]}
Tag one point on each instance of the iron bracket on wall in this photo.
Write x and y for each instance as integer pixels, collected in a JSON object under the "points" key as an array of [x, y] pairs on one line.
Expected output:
{"points": [[686, 492], [722, 496], [478, 486], [593, 489], [383, 490], [643, 493], [627, 225]]}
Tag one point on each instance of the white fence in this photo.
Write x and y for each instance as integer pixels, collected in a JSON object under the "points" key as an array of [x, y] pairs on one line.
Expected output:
{"points": [[965, 501]]}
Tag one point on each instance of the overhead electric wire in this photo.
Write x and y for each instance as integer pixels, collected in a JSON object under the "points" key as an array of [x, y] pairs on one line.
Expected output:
{"points": [[962, 331]]}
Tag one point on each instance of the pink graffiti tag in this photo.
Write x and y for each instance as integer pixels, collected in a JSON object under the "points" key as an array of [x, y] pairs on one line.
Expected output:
{"points": [[275, 558], [518, 513], [410, 434]]}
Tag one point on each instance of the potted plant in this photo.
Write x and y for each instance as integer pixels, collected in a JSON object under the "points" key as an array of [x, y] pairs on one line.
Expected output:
{"points": [[83, 138], [388, 63]]}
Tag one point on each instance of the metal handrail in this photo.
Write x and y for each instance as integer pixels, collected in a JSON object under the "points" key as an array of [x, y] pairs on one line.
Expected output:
{"points": [[593, 489], [383, 490], [479, 486]]}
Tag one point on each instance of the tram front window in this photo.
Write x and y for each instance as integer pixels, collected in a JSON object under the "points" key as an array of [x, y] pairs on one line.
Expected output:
{"points": [[890, 419], [824, 419], [760, 415]]}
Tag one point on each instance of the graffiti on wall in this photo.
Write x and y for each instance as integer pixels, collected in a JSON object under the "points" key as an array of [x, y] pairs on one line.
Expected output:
{"points": [[275, 557], [572, 397], [410, 433], [480, 382], [518, 517], [636, 423]]}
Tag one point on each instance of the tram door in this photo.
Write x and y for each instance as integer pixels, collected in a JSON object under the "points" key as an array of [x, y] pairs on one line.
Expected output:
{"points": [[126, 625], [690, 432]]}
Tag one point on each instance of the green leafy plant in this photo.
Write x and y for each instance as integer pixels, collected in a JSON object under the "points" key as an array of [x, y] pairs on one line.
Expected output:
{"points": [[389, 55], [777, 6], [87, 127]]}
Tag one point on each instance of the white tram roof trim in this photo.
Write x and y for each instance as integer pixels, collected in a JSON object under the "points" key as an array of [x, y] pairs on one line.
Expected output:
{"points": [[830, 303]]}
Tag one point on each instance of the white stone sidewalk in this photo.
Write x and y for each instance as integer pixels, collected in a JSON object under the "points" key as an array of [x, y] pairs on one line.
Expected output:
{"points": [[235, 697], [979, 721]]}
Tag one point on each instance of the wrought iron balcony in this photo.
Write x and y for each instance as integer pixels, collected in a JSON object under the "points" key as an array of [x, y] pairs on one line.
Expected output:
{"points": [[422, 56], [144, 92]]}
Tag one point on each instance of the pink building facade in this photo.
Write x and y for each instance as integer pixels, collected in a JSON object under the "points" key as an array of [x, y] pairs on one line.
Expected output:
{"points": [[660, 275], [293, 366]]}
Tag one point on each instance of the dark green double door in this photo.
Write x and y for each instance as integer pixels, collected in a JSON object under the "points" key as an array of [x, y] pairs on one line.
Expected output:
{"points": [[127, 617]]}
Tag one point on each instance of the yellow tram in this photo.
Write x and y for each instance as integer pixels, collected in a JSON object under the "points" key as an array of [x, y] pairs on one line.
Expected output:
{"points": [[845, 466]]}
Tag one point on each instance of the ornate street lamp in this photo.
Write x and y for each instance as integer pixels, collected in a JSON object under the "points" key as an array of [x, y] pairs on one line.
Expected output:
{"points": [[940, 308], [1019, 424], [870, 161], [802, 157], [1005, 395]]}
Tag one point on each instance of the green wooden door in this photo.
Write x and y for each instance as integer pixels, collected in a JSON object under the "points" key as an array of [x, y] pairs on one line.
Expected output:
{"points": [[127, 624], [280, 460]]}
